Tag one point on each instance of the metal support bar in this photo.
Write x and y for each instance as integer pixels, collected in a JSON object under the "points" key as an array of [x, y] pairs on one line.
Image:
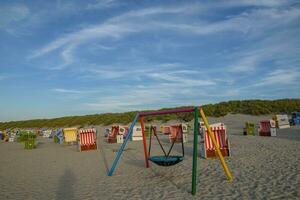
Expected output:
{"points": [[120, 151], [195, 151], [221, 158], [144, 142]]}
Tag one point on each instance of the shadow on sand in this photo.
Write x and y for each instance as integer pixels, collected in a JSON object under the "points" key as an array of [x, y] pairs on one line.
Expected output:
{"points": [[65, 186], [100, 146]]}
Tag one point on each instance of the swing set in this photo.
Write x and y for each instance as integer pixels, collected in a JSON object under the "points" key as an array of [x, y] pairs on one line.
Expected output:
{"points": [[167, 159]]}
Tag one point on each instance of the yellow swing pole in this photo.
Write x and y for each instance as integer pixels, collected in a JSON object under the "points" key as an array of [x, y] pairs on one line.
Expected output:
{"points": [[226, 170]]}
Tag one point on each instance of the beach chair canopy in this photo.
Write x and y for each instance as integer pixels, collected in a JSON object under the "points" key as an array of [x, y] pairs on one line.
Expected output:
{"points": [[70, 134]]}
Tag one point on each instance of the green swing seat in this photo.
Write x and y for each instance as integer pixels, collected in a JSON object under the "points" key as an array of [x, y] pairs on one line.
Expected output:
{"points": [[166, 160]]}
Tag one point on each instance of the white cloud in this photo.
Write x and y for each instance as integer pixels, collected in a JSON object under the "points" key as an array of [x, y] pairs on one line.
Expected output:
{"points": [[77, 91], [265, 3], [247, 63], [137, 97], [67, 91], [12, 14], [280, 77], [255, 21], [165, 73], [154, 96], [2, 77], [269, 49], [116, 27], [167, 87], [102, 4], [86, 34], [96, 47], [263, 24], [188, 9], [111, 74], [171, 65], [67, 57], [140, 21], [181, 80]]}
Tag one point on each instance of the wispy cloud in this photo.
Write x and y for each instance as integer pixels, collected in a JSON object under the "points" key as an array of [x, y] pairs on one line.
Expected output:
{"points": [[280, 77], [265, 3], [156, 95], [169, 85], [181, 80], [67, 91], [188, 9], [77, 91], [116, 27], [133, 22], [170, 74], [99, 47], [138, 97], [86, 34], [268, 50], [246, 64], [246, 22], [102, 4], [136, 71], [12, 14], [3, 76]]}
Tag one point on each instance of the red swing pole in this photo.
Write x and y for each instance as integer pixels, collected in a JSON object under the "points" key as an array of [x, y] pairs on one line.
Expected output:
{"points": [[144, 142]]}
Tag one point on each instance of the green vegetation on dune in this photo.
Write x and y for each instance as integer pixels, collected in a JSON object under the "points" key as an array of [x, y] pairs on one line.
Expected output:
{"points": [[252, 107]]}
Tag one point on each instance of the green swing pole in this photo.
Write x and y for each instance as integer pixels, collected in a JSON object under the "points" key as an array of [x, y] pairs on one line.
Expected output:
{"points": [[195, 150]]}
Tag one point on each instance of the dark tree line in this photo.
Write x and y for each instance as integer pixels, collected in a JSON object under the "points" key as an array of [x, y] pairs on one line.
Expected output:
{"points": [[251, 107]]}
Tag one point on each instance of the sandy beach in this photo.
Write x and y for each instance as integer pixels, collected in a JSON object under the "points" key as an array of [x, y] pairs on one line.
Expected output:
{"points": [[262, 167]]}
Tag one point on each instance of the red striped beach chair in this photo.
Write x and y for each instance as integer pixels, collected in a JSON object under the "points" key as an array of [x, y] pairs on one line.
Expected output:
{"points": [[87, 139], [207, 149], [267, 128]]}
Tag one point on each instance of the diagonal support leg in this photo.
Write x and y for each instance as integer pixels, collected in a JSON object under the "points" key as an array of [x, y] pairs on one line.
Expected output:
{"points": [[120, 151], [226, 170]]}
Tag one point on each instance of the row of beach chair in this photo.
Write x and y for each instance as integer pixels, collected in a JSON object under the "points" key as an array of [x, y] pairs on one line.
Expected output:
{"points": [[179, 133], [269, 127], [85, 138]]}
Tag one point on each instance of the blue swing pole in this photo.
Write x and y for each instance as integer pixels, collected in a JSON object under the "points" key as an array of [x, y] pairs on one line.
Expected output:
{"points": [[120, 151]]}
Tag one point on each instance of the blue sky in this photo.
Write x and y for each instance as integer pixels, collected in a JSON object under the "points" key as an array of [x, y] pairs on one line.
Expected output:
{"points": [[63, 58]]}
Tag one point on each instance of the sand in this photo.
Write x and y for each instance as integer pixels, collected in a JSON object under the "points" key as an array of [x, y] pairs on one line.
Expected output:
{"points": [[262, 167]]}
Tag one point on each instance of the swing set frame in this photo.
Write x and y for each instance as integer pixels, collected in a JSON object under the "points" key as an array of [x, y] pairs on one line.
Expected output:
{"points": [[196, 111]]}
